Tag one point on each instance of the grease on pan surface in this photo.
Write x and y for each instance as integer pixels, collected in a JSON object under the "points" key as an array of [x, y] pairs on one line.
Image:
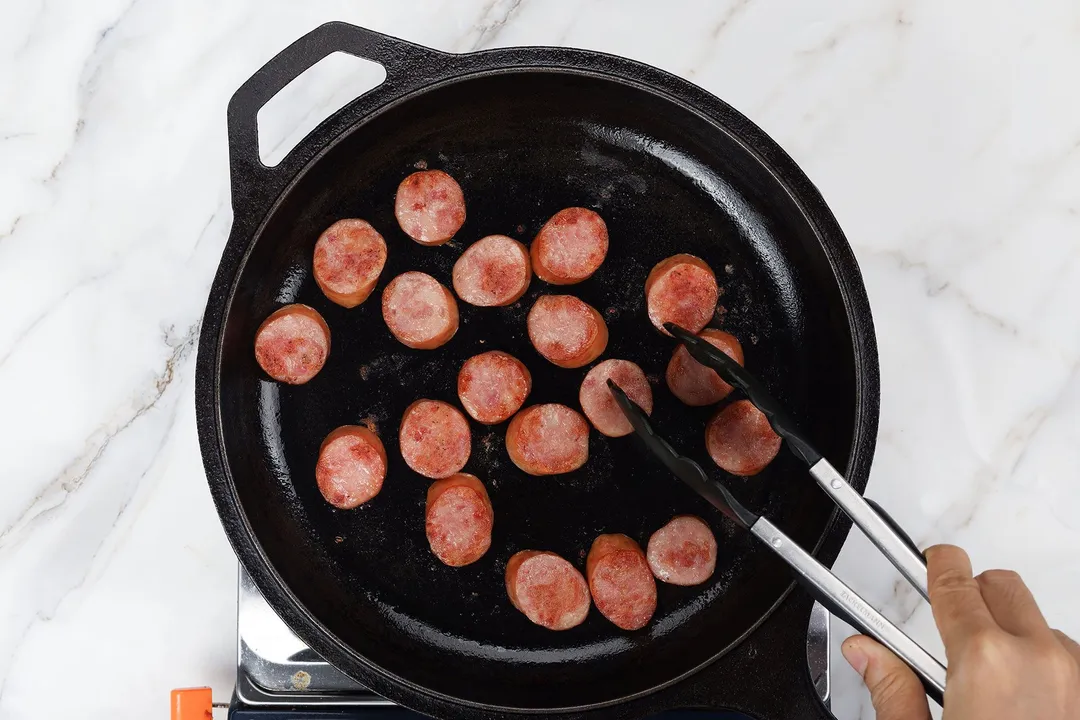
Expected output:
{"points": [[371, 374]]}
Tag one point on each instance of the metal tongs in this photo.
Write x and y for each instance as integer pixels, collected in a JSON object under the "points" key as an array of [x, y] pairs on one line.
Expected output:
{"points": [[825, 587]]}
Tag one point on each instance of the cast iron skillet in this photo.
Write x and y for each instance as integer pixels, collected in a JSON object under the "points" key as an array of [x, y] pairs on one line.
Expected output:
{"points": [[528, 131]]}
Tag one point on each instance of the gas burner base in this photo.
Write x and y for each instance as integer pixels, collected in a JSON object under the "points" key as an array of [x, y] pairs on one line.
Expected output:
{"points": [[278, 677]]}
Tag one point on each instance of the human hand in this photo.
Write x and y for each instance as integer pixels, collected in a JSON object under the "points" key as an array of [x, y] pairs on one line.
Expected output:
{"points": [[1005, 662]]}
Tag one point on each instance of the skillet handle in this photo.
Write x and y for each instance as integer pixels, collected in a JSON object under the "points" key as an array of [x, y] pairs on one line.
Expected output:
{"points": [[407, 66]]}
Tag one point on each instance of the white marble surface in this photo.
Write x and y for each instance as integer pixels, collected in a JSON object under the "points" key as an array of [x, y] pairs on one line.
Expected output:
{"points": [[945, 136]]}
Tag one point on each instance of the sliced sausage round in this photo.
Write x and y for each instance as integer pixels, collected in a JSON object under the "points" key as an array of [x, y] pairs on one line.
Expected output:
{"points": [[547, 589], [492, 386], [435, 439], [683, 552], [458, 519], [620, 581], [351, 466], [570, 247], [430, 207], [600, 405], [548, 439], [692, 382], [419, 311], [682, 290], [493, 271], [740, 439], [566, 331], [349, 257], [292, 344]]}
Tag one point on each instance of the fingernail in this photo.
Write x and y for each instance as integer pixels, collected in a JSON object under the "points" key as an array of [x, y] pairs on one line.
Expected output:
{"points": [[855, 657]]}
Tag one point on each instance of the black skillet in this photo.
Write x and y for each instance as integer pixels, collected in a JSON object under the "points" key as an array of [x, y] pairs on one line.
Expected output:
{"points": [[528, 131]]}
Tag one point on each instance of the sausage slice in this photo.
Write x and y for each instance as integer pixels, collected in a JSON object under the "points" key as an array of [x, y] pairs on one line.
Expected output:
{"points": [[420, 312], [351, 466], [681, 289], [434, 438], [548, 589], [683, 552], [492, 386], [349, 257], [548, 439], [458, 519], [598, 402], [566, 331], [621, 583], [492, 272], [570, 247], [292, 344], [692, 382], [430, 207], [740, 439]]}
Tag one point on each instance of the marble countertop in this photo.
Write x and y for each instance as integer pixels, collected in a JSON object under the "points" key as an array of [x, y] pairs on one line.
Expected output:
{"points": [[945, 137]]}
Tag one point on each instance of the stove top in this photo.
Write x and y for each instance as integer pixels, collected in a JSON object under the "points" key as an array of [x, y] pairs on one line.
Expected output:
{"points": [[278, 676]]}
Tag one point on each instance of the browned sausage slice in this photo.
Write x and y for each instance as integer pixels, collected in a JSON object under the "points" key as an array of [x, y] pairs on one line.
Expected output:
{"points": [[458, 519], [566, 331], [681, 289], [548, 589], [351, 466], [419, 311], [349, 257], [621, 583], [570, 247], [548, 439], [435, 439], [430, 207], [683, 552], [492, 386], [292, 344], [492, 272], [598, 402], [692, 382], [740, 439]]}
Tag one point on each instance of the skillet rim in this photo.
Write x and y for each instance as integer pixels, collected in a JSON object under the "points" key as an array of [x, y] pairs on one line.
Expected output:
{"points": [[248, 227]]}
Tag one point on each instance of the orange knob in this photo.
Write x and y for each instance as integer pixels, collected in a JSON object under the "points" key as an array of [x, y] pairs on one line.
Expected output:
{"points": [[192, 704]]}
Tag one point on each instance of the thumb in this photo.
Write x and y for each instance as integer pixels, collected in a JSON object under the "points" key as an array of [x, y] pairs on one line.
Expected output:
{"points": [[894, 689]]}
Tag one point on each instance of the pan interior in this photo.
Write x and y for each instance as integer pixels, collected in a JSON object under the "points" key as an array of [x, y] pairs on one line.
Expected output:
{"points": [[524, 145]]}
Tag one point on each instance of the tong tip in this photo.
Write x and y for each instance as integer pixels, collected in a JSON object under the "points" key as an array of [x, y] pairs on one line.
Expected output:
{"points": [[686, 469], [736, 375], [680, 332]]}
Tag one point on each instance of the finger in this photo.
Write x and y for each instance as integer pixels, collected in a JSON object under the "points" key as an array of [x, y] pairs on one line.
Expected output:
{"points": [[1071, 645], [894, 689], [955, 597], [1011, 603]]}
